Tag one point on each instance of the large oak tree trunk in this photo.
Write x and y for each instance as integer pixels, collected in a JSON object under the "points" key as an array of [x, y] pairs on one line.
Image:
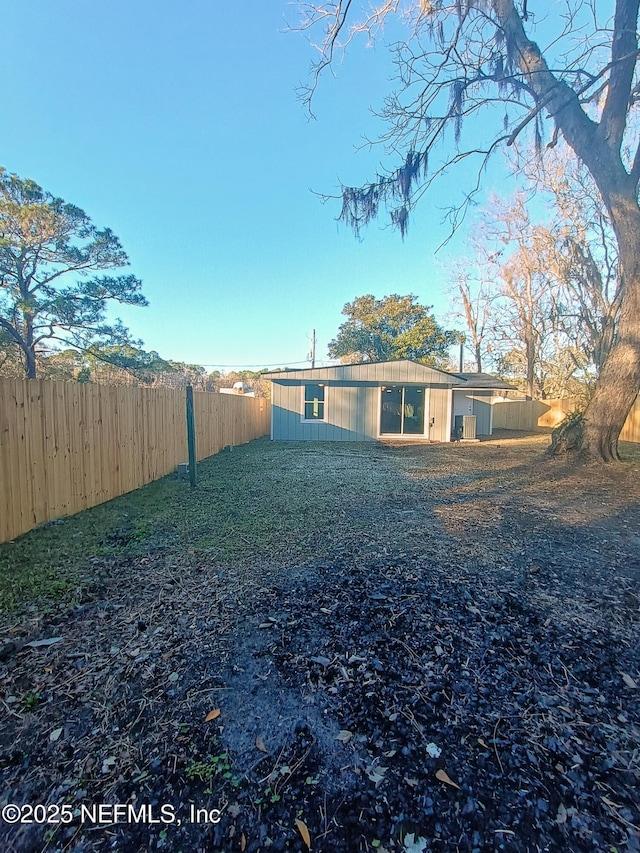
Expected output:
{"points": [[619, 382], [596, 435]]}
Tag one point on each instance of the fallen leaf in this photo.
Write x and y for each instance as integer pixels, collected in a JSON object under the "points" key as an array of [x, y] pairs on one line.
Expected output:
{"points": [[55, 734], [36, 644], [629, 681], [415, 843], [304, 832], [443, 776], [243, 842], [260, 744], [266, 625], [323, 661], [108, 763], [376, 774], [173, 677], [344, 736], [482, 743], [212, 715], [561, 817]]}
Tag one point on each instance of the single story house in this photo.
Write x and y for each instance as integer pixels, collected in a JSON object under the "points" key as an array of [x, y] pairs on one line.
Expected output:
{"points": [[374, 401]]}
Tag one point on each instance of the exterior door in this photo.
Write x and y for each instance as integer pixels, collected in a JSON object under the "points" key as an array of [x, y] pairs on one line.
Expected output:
{"points": [[402, 410]]}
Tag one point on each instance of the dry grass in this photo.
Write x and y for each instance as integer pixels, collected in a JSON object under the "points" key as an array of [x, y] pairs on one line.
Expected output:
{"points": [[301, 501], [169, 601]]}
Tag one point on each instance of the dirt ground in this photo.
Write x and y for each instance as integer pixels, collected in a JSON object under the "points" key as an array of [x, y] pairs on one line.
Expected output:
{"points": [[338, 648]]}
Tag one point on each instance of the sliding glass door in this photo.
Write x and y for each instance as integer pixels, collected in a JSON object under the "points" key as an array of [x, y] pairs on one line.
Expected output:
{"points": [[402, 410]]}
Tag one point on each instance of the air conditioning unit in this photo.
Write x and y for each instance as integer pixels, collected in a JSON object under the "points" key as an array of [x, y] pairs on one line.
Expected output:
{"points": [[468, 427]]}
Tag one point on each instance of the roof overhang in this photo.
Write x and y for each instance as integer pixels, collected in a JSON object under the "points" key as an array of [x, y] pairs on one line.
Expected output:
{"points": [[392, 371]]}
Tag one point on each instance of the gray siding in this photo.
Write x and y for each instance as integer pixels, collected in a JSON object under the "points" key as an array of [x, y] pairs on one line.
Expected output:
{"points": [[351, 413], [482, 411]]}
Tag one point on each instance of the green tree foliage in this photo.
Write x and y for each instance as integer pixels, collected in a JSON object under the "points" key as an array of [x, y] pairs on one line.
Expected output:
{"points": [[119, 364], [11, 363], [111, 365], [391, 328], [44, 242]]}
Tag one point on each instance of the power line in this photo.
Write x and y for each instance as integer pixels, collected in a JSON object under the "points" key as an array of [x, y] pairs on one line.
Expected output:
{"points": [[262, 364], [257, 364]]}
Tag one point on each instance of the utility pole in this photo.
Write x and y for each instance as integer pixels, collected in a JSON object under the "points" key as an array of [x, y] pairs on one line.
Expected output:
{"points": [[312, 354]]}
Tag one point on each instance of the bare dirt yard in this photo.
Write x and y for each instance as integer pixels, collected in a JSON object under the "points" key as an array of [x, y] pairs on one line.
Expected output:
{"points": [[331, 647]]}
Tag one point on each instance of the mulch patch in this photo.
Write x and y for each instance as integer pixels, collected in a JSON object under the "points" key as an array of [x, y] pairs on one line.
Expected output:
{"points": [[433, 698]]}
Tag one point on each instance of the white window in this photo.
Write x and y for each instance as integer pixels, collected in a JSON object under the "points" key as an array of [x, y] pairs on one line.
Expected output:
{"points": [[314, 402]]}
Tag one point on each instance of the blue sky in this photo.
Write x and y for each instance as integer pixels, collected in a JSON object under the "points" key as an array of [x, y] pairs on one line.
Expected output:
{"points": [[177, 125]]}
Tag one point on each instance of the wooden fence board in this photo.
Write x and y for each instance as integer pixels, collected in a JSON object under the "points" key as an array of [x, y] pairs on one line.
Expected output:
{"points": [[66, 446], [25, 482], [9, 472], [631, 429]]}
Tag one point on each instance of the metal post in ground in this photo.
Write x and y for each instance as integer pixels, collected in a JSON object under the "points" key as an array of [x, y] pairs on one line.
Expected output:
{"points": [[191, 438]]}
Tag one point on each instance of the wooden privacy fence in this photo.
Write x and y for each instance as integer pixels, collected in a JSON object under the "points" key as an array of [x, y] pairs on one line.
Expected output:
{"points": [[631, 428], [530, 415], [65, 447]]}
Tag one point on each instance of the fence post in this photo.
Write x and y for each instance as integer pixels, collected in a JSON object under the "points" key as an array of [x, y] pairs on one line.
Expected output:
{"points": [[191, 438]]}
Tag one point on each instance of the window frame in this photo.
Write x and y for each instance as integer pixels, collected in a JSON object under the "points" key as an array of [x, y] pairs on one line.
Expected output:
{"points": [[404, 436], [323, 419]]}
